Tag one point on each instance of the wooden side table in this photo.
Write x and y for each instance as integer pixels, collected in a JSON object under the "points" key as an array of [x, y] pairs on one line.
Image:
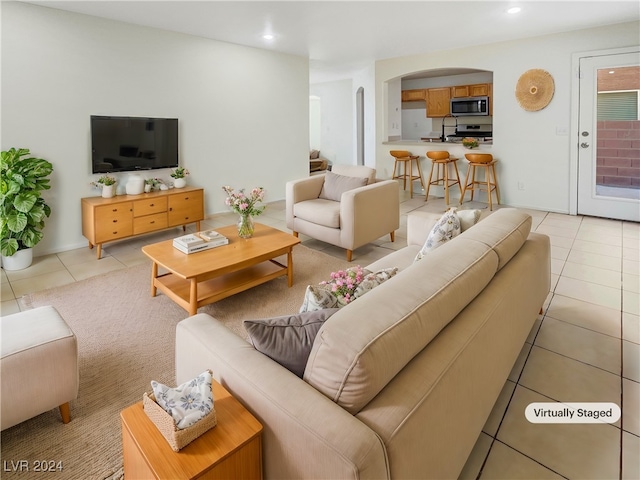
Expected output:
{"points": [[231, 449]]}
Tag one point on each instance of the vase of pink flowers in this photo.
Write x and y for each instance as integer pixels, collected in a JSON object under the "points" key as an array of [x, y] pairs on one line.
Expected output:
{"points": [[247, 206]]}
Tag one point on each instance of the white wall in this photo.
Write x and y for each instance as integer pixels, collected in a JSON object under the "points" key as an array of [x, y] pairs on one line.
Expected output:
{"points": [[243, 112], [526, 144], [338, 127], [337, 111]]}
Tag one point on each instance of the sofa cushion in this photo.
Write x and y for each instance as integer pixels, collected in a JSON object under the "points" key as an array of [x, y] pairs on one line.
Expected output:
{"points": [[399, 259], [504, 231], [335, 185], [357, 353], [287, 339], [319, 211]]}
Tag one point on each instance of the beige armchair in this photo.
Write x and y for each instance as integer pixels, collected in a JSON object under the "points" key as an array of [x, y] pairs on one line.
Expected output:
{"points": [[346, 207]]}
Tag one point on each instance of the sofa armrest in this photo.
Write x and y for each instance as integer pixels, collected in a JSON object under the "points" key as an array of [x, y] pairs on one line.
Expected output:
{"points": [[300, 190], [419, 225], [304, 431], [369, 212]]}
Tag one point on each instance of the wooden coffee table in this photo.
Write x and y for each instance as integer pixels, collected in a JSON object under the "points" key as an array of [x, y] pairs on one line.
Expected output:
{"points": [[201, 278]]}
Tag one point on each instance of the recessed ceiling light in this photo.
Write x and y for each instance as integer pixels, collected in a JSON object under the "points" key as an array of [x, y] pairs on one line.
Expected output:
{"points": [[268, 36], [513, 10]]}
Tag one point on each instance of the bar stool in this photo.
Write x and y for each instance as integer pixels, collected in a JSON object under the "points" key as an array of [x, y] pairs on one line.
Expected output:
{"points": [[440, 161], [486, 161], [404, 157]]}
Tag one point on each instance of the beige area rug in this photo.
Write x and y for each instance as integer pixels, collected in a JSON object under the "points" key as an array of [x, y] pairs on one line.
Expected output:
{"points": [[126, 339]]}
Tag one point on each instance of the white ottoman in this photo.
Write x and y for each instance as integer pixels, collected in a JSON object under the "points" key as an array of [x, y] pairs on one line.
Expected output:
{"points": [[38, 366]]}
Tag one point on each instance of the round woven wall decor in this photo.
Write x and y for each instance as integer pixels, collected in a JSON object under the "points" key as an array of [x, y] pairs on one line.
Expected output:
{"points": [[534, 89]]}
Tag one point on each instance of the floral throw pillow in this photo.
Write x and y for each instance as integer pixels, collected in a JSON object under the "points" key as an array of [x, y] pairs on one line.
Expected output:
{"points": [[444, 230], [318, 297], [187, 403], [373, 279], [343, 287]]}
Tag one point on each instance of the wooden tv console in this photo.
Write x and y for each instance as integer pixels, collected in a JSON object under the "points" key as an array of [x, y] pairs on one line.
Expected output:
{"points": [[123, 216]]}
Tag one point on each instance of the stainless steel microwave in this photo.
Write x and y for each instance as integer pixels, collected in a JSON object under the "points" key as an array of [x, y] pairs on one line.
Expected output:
{"points": [[469, 106]]}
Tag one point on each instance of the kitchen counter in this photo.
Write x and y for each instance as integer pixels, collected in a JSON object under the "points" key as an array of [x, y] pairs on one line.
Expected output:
{"points": [[434, 143]]}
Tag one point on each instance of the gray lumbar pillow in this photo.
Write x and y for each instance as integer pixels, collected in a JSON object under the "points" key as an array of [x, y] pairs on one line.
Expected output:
{"points": [[288, 339], [335, 185]]}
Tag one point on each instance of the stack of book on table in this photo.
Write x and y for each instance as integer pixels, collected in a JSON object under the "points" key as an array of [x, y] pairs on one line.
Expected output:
{"points": [[197, 242]]}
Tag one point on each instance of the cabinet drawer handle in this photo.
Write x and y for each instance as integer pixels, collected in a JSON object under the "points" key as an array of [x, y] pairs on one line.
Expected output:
{"points": [[115, 221], [186, 198], [171, 209], [152, 205], [115, 233], [153, 222], [114, 210]]}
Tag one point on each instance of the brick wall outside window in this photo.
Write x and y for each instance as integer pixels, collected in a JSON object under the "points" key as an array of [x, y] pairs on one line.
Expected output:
{"points": [[618, 157]]}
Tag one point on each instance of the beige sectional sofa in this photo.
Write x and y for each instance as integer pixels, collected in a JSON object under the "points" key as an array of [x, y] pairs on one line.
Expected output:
{"points": [[400, 382]]}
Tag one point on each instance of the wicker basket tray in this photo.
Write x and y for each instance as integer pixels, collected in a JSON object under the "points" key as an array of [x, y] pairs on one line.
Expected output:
{"points": [[177, 438]]}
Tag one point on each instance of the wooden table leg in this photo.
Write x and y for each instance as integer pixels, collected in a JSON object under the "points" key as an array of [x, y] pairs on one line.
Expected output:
{"points": [[193, 297], [154, 275], [98, 251], [290, 267]]}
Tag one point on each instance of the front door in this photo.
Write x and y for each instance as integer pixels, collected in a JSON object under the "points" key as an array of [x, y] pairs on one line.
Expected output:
{"points": [[609, 136]]}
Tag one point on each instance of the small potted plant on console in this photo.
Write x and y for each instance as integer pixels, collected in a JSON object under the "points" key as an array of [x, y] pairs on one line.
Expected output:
{"points": [[108, 185], [179, 175]]}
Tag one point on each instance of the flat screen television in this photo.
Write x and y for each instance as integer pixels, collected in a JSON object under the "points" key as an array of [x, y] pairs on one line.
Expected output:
{"points": [[123, 144]]}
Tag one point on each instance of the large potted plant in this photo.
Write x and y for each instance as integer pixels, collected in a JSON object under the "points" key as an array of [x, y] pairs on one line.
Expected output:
{"points": [[22, 208]]}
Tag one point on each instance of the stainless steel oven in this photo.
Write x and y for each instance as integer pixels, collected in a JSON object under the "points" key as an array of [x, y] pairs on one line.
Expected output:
{"points": [[469, 106]]}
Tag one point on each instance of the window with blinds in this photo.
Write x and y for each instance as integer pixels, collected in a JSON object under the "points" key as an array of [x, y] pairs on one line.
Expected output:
{"points": [[618, 105]]}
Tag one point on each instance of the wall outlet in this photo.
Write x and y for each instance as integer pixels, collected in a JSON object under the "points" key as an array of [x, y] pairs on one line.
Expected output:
{"points": [[520, 185]]}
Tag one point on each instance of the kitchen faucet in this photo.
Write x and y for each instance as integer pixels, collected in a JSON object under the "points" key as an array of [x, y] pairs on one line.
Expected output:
{"points": [[443, 138]]}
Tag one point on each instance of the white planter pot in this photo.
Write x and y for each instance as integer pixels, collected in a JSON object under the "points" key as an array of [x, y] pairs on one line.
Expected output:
{"points": [[135, 185], [108, 191], [19, 260], [179, 183]]}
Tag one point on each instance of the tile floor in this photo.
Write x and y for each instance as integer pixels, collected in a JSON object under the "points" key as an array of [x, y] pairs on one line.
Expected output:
{"points": [[585, 348]]}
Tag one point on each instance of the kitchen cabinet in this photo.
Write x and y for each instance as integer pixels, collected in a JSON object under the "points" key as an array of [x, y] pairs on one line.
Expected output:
{"points": [[462, 91], [108, 219], [479, 90], [414, 95], [438, 102]]}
